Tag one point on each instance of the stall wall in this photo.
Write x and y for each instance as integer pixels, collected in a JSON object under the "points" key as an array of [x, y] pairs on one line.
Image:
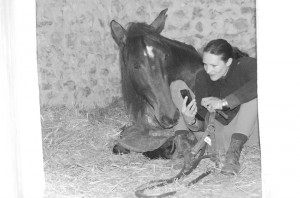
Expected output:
{"points": [[78, 61]]}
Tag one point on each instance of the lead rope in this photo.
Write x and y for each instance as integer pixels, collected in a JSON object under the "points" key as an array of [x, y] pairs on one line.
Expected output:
{"points": [[190, 163]]}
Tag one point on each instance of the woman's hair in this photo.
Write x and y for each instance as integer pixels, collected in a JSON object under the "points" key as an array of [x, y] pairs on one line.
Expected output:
{"points": [[223, 48]]}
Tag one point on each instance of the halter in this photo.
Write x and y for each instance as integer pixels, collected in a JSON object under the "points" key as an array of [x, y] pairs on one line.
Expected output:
{"points": [[191, 161]]}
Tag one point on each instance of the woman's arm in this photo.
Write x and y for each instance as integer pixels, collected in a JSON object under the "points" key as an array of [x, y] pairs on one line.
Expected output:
{"points": [[248, 91]]}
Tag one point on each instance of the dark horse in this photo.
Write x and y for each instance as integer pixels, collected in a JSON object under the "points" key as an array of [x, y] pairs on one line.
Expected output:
{"points": [[149, 63]]}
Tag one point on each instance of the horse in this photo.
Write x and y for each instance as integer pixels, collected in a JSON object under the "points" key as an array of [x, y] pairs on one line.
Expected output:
{"points": [[149, 62]]}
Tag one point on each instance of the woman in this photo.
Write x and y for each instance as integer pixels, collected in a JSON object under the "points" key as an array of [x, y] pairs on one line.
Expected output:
{"points": [[228, 84]]}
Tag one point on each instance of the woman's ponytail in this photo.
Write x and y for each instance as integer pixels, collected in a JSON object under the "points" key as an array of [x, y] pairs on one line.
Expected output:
{"points": [[236, 53]]}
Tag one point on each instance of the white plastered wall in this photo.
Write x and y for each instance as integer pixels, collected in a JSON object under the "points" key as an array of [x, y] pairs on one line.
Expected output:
{"points": [[278, 97], [21, 166]]}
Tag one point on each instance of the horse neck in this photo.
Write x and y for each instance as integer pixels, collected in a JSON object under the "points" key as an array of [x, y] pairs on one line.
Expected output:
{"points": [[185, 62], [182, 47]]}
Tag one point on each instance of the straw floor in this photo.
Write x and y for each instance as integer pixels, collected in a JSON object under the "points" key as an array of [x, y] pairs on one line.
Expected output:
{"points": [[79, 163]]}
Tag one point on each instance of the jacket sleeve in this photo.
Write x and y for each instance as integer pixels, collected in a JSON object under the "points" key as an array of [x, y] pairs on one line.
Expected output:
{"points": [[248, 90]]}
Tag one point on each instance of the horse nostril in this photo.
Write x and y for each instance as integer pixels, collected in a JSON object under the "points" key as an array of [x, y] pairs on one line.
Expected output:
{"points": [[165, 119], [171, 121]]}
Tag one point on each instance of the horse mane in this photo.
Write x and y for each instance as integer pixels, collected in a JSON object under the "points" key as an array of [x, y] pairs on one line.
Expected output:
{"points": [[136, 103]]}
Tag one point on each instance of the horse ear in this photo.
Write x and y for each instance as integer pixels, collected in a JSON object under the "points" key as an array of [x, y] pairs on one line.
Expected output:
{"points": [[159, 22], [118, 32]]}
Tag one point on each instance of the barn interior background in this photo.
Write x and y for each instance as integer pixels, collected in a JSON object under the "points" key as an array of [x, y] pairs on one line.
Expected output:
{"points": [[78, 61], [79, 74]]}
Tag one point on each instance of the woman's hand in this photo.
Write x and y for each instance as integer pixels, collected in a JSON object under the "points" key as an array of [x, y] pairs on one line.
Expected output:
{"points": [[212, 103], [189, 111]]}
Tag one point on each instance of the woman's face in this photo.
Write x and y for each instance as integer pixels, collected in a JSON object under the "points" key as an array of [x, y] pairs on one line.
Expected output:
{"points": [[214, 66]]}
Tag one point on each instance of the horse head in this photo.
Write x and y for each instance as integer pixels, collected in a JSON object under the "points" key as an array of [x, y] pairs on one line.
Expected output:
{"points": [[144, 62]]}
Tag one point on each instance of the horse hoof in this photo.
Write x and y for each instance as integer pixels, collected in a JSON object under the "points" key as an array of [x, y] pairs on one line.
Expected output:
{"points": [[118, 149], [166, 151]]}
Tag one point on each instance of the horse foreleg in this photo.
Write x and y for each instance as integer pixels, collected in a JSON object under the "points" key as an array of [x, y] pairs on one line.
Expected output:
{"points": [[126, 132], [151, 142]]}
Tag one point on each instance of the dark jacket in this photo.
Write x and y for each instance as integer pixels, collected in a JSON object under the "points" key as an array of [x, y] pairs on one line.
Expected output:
{"points": [[237, 87]]}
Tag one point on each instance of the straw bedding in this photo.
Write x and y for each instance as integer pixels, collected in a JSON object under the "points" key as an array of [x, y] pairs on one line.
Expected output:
{"points": [[78, 160]]}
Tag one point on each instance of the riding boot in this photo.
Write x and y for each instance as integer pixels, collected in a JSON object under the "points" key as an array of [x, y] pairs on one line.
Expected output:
{"points": [[231, 166], [184, 142], [181, 142]]}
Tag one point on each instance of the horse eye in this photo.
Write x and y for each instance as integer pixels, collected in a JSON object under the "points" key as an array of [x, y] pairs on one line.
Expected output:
{"points": [[136, 66], [166, 56]]}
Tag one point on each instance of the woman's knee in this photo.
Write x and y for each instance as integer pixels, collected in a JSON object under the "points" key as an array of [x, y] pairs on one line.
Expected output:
{"points": [[175, 88], [249, 108], [178, 85]]}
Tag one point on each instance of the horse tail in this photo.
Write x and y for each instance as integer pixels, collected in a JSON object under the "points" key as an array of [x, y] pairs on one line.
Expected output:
{"points": [[237, 53]]}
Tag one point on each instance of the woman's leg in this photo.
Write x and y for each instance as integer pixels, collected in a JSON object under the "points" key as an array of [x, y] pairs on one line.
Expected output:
{"points": [[245, 122], [233, 136], [184, 139], [175, 88]]}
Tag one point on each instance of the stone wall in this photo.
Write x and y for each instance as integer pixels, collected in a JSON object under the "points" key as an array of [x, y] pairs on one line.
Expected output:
{"points": [[78, 60]]}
